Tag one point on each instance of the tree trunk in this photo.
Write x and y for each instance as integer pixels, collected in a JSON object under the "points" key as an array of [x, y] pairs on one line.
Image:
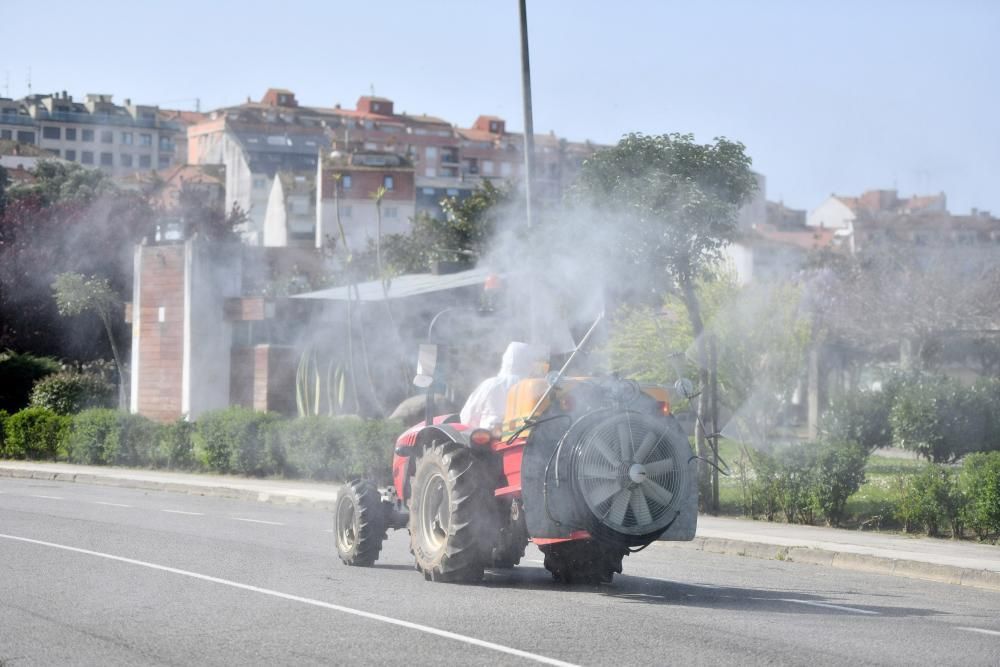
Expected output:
{"points": [[106, 320], [698, 327]]}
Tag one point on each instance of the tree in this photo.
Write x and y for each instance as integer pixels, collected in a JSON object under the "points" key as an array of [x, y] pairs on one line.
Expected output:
{"points": [[76, 294], [70, 219], [675, 204]]}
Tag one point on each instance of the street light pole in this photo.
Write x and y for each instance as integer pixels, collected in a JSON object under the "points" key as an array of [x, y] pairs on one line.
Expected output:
{"points": [[529, 146]]}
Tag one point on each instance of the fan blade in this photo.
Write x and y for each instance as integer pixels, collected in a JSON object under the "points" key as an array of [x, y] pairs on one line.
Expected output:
{"points": [[646, 446], [625, 440], [592, 469], [616, 514], [657, 468], [602, 447], [600, 492], [657, 492], [640, 508]]}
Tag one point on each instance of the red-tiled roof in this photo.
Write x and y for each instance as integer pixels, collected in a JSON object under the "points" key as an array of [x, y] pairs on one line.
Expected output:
{"points": [[807, 239]]}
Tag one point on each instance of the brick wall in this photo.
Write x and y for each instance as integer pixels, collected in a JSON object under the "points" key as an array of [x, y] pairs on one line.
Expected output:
{"points": [[159, 358]]}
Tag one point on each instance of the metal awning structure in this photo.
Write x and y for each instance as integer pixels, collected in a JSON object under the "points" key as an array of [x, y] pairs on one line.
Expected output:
{"points": [[400, 287]]}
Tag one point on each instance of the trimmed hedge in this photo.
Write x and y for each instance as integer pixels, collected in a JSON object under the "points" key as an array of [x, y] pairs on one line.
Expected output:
{"points": [[35, 434], [804, 479], [69, 392], [233, 441], [980, 480]]}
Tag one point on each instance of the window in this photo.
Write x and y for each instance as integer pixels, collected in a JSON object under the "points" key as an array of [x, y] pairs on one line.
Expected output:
{"points": [[376, 107], [145, 162], [125, 160], [431, 153], [452, 192], [430, 172], [50, 132], [86, 135], [70, 134], [87, 157], [6, 134], [71, 154], [127, 138], [26, 137], [505, 169], [107, 137], [145, 139], [166, 144], [388, 182], [488, 167], [345, 181], [371, 146], [107, 160], [429, 191], [163, 161], [390, 212]]}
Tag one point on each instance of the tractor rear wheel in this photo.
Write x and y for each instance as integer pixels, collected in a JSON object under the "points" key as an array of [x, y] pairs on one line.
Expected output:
{"points": [[583, 561], [359, 523], [453, 514]]}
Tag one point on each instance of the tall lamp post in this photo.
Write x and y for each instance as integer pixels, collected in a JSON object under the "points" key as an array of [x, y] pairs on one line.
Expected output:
{"points": [[529, 147]]}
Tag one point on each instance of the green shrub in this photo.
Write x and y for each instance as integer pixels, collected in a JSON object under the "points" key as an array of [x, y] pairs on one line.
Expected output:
{"points": [[36, 433], [861, 417], [988, 392], [95, 437], [311, 447], [69, 392], [372, 442], [18, 374], [838, 473], [140, 441], [176, 447], [3, 422], [233, 441], [936, 417], [931, 499], [980, 480], [781, 481]]}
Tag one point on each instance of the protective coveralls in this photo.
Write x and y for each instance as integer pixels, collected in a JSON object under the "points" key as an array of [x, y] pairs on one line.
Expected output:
{"points": [[488, 402]]}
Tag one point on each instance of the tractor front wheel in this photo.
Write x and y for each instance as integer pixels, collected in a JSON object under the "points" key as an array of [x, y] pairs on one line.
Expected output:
{"points": [[583, 561], [453, 514], [359, 523]]}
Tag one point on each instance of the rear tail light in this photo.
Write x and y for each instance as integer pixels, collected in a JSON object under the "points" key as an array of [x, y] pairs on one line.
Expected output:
{"points": [[663, 408]]}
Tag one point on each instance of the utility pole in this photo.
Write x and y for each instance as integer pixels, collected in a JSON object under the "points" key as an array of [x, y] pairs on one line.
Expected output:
{"points": [[529, 145]]}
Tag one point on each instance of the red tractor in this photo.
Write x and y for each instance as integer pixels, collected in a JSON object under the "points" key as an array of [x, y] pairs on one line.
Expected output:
{"points": [[589, 469]]}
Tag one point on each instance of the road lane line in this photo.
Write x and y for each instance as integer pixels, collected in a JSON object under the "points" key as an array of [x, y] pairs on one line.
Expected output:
{"points": [[979, 630], [101, 502], [269, 523], [472, 641], [46, 497], [183, 512], [825, 605]]}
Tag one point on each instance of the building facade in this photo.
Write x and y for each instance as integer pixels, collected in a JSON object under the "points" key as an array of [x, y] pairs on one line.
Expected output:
{"points": [[119, 139]]}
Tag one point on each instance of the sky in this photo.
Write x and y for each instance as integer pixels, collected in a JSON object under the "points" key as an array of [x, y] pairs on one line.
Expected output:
{"points": [[828, 96]]}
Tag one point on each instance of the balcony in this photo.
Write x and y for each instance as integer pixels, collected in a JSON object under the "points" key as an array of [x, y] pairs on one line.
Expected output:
{"points": [[16, 119], [449, 159]]}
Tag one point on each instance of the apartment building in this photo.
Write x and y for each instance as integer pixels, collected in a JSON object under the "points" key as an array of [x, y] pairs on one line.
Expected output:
{"points": [[447, 161], [119, 139]]}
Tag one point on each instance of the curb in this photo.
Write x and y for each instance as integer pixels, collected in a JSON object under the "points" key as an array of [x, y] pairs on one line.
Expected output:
{"points": [[897, 567], [174, 487]]}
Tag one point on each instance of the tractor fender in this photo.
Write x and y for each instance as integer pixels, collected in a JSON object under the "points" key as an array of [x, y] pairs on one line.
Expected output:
{"points": [[437, 433]]}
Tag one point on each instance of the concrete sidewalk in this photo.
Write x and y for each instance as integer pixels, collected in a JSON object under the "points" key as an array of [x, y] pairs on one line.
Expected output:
{"points": [[961, 563]]}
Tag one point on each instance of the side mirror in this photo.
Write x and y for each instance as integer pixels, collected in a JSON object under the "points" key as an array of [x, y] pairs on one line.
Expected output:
{"points": [[427, 359]]}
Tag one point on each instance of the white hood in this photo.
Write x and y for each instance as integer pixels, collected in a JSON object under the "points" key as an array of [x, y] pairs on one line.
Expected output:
{"points": [[487, 404]]}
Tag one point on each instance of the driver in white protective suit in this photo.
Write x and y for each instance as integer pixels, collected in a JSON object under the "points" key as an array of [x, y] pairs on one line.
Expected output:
{"points": [[487, 404]]}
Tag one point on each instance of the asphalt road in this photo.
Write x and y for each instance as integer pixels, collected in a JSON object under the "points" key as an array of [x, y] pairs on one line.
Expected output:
{"points": [[99, 575]]}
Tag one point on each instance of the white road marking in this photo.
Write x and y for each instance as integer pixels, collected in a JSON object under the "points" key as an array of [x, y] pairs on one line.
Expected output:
{"points": [[46, 497], [979, 630], [269, 523], [101, 502], [821, 604], [500, 648], [183, 512]]}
